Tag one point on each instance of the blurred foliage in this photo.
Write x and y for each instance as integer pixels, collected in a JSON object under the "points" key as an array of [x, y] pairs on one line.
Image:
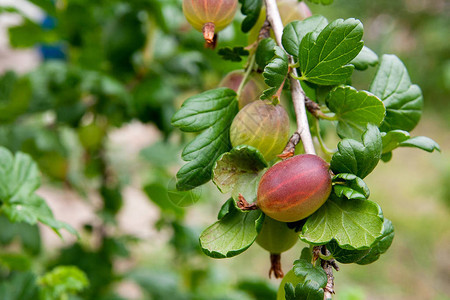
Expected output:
{"points": [[107, 63]]}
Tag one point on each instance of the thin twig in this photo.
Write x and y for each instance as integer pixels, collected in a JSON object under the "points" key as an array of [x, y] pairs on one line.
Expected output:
{"points": [[298, 95]]}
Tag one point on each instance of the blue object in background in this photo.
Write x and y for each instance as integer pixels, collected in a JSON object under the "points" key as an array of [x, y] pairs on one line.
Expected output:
{"points": [[51, 51]]}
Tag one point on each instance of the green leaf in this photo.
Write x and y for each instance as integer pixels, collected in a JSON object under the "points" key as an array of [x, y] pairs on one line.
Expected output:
{"points": [[239, 171], [275, 73], [20, 286], [350, 186], [368, 256], [382, 245], [323, 2], [358, 158], [158, 193], [392, 139], [29, 34], [211, 111], [15, 261], [265, 52], [309, 282], [366, 58], [402, 99], [20, 179], [233, 54], [421, 142], [227, 207], [354, 224], [400, 138], [354, 110], [294, 32], [324, 58], [345, 256], [307, 272], [251, 9], [15, 94], [232, 234], [61, 282], [309, 290]]}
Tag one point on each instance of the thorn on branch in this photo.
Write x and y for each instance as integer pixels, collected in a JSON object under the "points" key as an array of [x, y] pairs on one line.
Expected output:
{"points": [[275, 266], [244, 205], [289, 150]]}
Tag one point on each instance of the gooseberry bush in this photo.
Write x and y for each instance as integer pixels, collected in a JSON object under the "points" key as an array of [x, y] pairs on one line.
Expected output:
{"points": [[286, 184]]}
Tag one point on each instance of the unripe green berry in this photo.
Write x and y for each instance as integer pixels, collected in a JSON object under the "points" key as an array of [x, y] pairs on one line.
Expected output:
{"points": [[276, 237], [262, 125]]}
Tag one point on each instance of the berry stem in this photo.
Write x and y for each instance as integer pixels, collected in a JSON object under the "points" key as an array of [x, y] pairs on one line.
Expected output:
{"points": [[298, 95], [275, 266], [248, 71]]}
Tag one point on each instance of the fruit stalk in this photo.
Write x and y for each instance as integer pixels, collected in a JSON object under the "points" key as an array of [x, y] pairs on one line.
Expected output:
{"points": [[298, 95]]}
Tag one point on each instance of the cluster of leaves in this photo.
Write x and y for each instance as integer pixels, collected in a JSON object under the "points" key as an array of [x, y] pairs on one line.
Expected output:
{"points": [[371, 124], [101, 70]]}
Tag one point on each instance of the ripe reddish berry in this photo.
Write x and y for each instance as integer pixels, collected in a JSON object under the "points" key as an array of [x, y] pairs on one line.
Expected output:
{"points": [[209, 16], [295, 188], [262, 125]]}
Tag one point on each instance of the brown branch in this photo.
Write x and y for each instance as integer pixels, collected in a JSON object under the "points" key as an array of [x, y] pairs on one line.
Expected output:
{"points": [[298, 96]]}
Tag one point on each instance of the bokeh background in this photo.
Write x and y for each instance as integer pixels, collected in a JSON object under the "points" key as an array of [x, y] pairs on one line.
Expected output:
{"points": [[103, 79]]}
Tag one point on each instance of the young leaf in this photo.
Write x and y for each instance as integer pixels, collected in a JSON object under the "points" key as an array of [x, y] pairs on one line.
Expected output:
{"points": [[421, 142], [294, 32], [354, 110], [358, 158], [350, 186], [392, 139], [233, 54], [251, 9], [265, 52], [232, 234], [309, 290], [366, 58], [20, 179], [239, 171], [402, 99], [323, 58], [211, 111], [400, 138], [307, 272], [354, 224], [275, 73], [61, 282]]}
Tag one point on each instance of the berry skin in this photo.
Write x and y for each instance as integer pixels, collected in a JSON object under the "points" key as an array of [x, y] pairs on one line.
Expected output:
{"points": [[209, 16], [262, 125], [295, 188], [252, 89], [276, 237]]}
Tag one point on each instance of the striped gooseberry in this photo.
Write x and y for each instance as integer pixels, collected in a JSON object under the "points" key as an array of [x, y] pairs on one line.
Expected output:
{"points": [[252, 89], [209, 16], [262, 125], [294, 188]]}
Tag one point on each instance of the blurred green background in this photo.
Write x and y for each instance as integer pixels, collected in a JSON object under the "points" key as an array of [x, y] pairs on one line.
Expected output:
{"points": [[92, 87]]}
